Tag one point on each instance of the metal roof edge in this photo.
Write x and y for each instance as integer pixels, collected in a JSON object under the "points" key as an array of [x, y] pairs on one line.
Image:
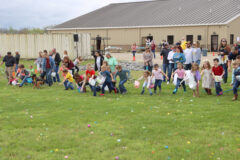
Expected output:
{"points": [[232, 19], [132, 27]]}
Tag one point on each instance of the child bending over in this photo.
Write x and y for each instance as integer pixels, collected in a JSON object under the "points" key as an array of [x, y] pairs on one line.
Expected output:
{"points": [[123, 78]]}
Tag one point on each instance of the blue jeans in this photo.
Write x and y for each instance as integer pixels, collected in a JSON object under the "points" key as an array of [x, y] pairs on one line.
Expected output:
{"points": [[225, 76], [178, 84], [93, 89], [153, 51], [149, 68], [24, 80], [218, 88], [49, 76], [122, 87], [158, 83], [134, 53], [56, 69], [68, 85], [165, 68], [170, 70], [16, 68], [110, 86], [143, 89], [236, 84], [198, 62]]}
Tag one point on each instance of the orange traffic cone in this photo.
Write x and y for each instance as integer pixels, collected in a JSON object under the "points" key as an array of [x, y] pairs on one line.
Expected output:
{"points": [[213, 53], [134, 59], [161, 57], [13, 74]]}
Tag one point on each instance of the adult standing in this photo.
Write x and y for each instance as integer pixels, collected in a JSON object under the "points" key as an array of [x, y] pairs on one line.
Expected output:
{"points": [[171, 63], [112, 62], [223, 53], [197, 53], [178, 57], [10, 65], [148, 59], [98, 57], [188, 52], [153, 49], [17, 57], [232, 56], [48, 67], [165, 51], [39, 61], [57, 59], [134, 50]]}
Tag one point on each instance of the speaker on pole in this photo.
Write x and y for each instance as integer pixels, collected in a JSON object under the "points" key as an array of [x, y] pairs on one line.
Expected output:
{"points": [[75, 38]]}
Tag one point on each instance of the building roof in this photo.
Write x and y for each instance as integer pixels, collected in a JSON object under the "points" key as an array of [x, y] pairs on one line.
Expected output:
{"points": [[159, 13]]}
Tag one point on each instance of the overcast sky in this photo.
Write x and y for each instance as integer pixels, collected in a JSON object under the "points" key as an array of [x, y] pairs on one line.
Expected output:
{"points": [[42, 13]]}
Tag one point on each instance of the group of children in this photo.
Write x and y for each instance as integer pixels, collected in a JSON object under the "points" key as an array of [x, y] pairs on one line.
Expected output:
{"points": [[106, 80], [211, 76]]}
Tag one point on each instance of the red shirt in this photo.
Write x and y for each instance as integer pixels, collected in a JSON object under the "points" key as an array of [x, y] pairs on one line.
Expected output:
{"points": [[89, 74], [218, 71], [47, 63], [70, 65]]}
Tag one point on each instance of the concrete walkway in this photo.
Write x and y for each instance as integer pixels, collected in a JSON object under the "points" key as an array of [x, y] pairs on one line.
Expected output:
{"points": [[139, 57]]}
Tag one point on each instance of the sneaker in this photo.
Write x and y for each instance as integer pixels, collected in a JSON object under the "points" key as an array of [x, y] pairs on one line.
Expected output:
{"points": [[174, 91], [167, 83], [221, 93], [115, 90], [142, 92], [101, 94], [155, 92], [151, 94]]}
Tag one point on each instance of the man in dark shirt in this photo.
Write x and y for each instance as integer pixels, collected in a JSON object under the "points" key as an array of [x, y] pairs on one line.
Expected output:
{"points": [[17, 57], [10, 63], [232, 56], [56, 57], [164, 53]]}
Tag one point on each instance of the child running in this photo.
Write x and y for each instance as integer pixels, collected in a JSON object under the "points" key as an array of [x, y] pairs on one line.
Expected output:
{"points": [[197, 77], [108, 80], [217, 72], [90, 74], [68, 80], [180, 74], [147, 82], [236, 79], [207, 78], [158, 74], [123, 78]]}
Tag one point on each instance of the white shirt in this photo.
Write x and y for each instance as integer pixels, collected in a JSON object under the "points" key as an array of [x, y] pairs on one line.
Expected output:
{"points": [[76, 62], [196, 54], [98, 61], [188, 52], [170, 56]]}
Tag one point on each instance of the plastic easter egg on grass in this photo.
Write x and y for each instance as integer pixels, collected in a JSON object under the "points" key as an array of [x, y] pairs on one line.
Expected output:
{"points": [[166, 147], [116, 158], [66, 157], [89, 126]]}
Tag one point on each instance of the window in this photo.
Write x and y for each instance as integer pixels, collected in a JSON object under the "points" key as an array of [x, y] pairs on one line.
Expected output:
{"points": [[190, 38], [231, 38], [199, 38], [170, 40]]}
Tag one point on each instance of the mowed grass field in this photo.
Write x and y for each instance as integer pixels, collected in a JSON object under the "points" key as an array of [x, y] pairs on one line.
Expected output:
{"points": [[52, 124]]}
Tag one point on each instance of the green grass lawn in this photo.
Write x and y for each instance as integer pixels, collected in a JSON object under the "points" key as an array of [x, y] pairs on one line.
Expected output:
{"points": [[51, 123]]}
